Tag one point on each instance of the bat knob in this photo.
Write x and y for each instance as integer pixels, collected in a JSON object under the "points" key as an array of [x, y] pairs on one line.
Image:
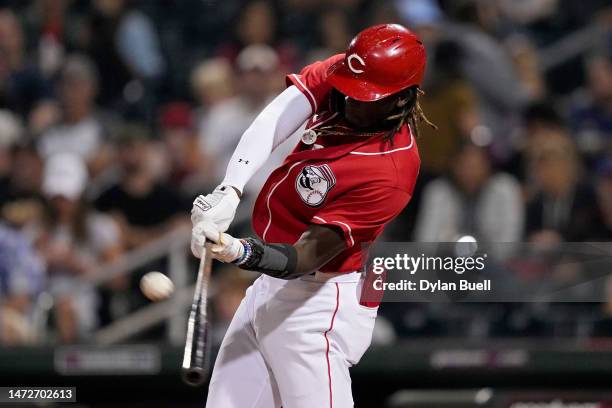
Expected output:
{"points": [[194, 376]]}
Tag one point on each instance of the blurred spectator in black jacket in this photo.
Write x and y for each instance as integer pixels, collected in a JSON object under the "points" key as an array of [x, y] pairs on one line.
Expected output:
{"points": [[124, 44], [23, 89], [143, 207], [565, 206], [20, 198], [591, 117]]}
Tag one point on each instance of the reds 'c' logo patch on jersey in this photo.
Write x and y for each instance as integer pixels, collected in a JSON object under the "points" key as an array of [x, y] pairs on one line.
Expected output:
{"points": [[313, 183]]}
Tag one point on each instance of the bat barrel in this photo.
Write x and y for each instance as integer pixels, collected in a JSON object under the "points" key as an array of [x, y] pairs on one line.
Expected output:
{"points": [[195, 362]]}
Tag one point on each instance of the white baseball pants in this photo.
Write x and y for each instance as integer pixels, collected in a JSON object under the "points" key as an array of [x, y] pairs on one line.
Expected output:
{"points": [[291, 343]]}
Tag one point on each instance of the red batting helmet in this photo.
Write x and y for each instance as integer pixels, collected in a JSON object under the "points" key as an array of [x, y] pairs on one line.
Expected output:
{"points": [[380, 61]]}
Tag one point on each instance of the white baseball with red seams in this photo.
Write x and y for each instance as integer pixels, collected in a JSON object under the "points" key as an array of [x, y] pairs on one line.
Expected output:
{"points": [[291, 343]]}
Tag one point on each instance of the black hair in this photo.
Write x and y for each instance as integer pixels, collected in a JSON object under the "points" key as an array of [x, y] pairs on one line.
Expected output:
{"points": [[410, 113]]}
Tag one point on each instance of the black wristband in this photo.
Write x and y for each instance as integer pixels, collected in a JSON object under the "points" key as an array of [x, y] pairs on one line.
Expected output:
{"points": [[276, 260]]}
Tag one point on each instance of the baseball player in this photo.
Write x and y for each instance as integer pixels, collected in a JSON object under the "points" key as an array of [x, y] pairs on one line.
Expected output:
{"points": [[301, 324]]}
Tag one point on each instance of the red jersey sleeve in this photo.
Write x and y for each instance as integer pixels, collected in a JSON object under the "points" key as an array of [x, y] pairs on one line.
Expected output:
{"points": [[312, 81], [362, 213]]}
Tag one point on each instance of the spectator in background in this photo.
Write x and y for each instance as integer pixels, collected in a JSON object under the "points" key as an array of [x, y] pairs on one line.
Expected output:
{"points": [[528, 11], [591, 117], [180, 147], [81, 129], [474, 200], [22, 279], [51, 30], [124, 45], [257, 25], [335, 31], [490, 70], [11, 130], [424, 17], [142, 206], [451, 104], [74, 241], [540, 119], [527, 66], [564, 207], [21, 200], [256, 67], [22, 87], [212, 83]]}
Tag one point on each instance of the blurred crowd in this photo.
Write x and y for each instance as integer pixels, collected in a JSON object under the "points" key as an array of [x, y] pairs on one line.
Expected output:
{"points": [[115, 114]]}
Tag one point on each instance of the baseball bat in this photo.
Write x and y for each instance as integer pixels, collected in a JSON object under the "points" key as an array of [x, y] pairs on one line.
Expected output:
{"points": [[197, 346]]}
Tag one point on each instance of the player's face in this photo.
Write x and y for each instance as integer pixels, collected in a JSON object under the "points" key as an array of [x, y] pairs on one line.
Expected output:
{"points": [[368, 114]]}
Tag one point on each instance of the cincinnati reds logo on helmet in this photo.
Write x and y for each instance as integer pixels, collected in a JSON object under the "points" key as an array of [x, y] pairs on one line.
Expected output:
{"points": [[349, 62], [313, 183]]}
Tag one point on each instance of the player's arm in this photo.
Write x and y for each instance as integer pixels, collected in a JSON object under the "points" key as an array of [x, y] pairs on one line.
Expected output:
{"points": [[316, 247], [279, 120], [275, 124]]}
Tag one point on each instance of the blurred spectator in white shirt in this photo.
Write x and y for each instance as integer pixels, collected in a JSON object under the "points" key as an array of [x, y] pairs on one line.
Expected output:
{"points": [[474, 200], [230, 118], [80, 130], [74, 241]]}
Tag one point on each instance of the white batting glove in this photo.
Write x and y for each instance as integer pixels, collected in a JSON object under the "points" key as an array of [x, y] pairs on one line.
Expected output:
{"points": [[224, 247], [218, 207]]}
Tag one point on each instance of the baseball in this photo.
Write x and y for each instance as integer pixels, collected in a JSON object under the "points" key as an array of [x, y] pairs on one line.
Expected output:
{"points": [[156, 286], [466, 246]]}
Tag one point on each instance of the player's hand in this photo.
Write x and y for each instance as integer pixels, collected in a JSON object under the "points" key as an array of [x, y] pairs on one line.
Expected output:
{"points": [[218, 207], [224, 247]]}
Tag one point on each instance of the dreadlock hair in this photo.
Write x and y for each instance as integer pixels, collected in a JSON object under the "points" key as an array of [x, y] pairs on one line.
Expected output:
{"points": [[410, 112]]}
